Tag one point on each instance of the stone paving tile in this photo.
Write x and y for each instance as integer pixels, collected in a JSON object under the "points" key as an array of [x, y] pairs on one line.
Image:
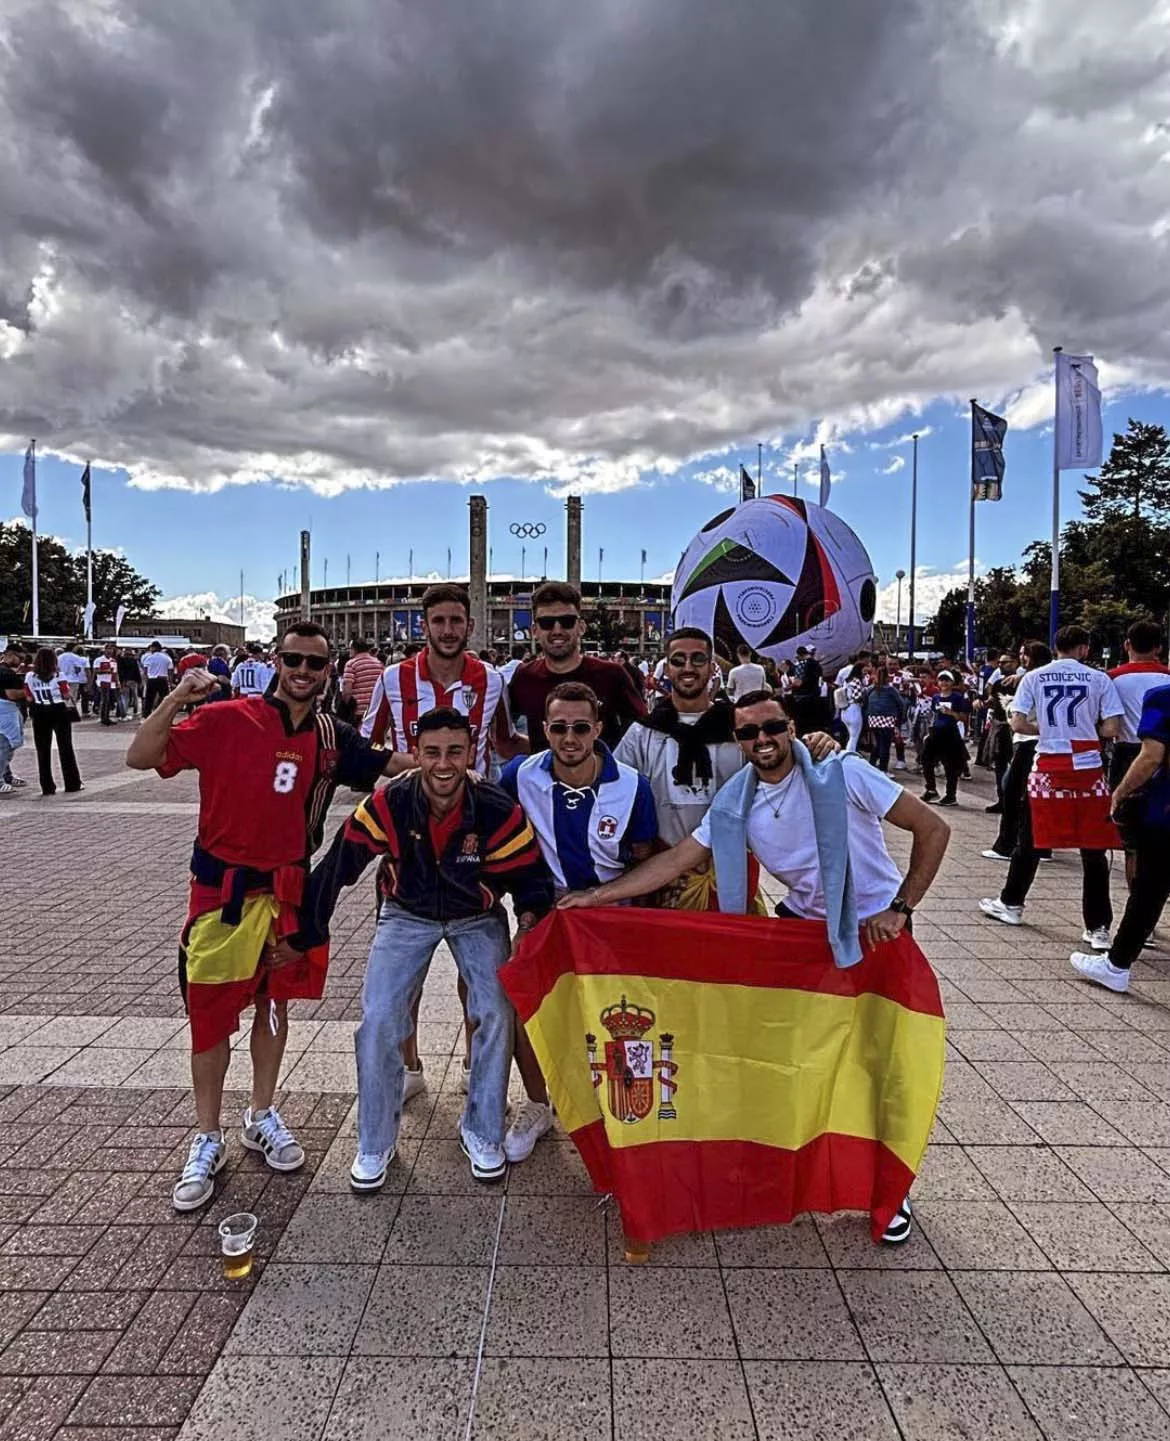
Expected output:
{"points": [[1083, 1403], [710, 1405], [954, 1403], [818, 1401], [1034, 1319], [559, 1400]]}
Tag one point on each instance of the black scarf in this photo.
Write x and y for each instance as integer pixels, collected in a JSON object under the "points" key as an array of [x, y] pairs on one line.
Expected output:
{"points": [[714, 727]]}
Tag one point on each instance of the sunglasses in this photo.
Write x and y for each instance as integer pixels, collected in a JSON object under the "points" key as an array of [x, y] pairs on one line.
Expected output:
{"points": [[753, 732], [294, 660], [696, 658], [562, 728], [550, 622]]}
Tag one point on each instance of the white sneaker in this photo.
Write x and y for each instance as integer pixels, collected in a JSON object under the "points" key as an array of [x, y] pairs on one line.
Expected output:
{"points": [[899, 765], [1101, 969], [17, 784], [533, 1120], [264, 1131], [196, 1186], [1010, 915], [992, 855], [487, 1157], [368, 1172], [1099, 939], [6, 789], [414, 1083]]}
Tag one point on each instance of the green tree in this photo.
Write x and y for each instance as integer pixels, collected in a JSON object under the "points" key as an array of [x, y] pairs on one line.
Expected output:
{"points": [[60, 600], [1134, 483], [115, 583]]}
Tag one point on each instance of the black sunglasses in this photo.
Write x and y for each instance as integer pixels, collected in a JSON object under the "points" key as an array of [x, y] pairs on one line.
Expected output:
{"points": [[562, 728], [294, 660], [696, 658], [549, 622], [769, 728]]}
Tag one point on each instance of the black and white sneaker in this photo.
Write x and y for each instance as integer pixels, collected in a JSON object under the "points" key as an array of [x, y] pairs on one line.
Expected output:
{"points": [[897, 1233], [368, 1172], [264, 1131]]}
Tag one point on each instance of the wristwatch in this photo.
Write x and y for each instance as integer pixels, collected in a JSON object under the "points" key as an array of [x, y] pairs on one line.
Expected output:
{"points": [[901, 907]]}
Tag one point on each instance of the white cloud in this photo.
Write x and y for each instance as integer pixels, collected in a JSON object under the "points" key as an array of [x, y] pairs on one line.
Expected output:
{"points": [[896, 464], [259, 613], [929, 588]]}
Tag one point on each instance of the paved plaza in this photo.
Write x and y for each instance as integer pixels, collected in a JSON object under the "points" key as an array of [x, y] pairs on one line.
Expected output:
{"points": [[1033, 1300]]}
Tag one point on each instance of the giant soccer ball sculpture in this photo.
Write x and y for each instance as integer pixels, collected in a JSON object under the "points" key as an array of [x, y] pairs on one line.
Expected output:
{"points": [[778, 573]]}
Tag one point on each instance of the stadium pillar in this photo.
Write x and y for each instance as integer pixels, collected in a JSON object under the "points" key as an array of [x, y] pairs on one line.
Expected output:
{"points": [[573, 540], [477, 551], [305, 578]]}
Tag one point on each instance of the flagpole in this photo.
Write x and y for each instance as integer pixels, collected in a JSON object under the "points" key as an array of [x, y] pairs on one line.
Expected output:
{"points": [[759, 467], [36, 587], [970, 629], [241, 597], [795, 477], [913, 549], [89, 564], [1054, 597]]}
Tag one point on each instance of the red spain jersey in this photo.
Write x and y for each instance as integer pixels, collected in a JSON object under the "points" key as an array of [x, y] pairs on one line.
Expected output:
{"points": [[256, 775], [407, 690]]}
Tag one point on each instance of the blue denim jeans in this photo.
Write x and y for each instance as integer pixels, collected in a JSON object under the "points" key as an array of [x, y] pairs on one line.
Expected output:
{"points": [[399, 960]]}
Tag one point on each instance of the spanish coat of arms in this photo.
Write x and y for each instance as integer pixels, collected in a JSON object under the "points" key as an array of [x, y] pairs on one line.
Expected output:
{"points": [[630, 1068]]}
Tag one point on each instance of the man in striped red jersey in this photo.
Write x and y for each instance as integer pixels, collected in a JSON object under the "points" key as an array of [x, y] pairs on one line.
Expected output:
{"points": [[443, 673]]}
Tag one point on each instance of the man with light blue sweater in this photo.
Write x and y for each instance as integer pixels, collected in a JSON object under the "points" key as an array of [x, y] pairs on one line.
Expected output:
{"points": [[816, 827]]}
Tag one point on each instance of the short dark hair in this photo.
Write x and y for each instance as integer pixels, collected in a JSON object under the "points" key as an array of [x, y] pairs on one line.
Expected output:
{"points": [[758, 697], [743, 649], [442, 718], [556, 592], [1145, 636], [360, 643], [690, 632], [445, 594], [574, 690], [307, 629], [1068, 637]]}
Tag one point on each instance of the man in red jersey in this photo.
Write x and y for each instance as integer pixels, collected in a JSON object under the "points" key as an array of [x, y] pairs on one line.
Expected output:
{"points": [[268, 766], [443, 673], [558, 628]]}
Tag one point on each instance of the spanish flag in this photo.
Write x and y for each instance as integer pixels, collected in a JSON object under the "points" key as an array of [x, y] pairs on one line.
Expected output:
{"points": [[719, 1071]]}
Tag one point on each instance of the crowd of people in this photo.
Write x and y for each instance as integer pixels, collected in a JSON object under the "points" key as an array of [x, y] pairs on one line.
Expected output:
{"points": [[573, 779]]}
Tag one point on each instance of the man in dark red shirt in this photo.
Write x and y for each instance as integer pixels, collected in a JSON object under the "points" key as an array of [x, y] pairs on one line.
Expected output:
{"points": [[558, 629], [268, 766]]}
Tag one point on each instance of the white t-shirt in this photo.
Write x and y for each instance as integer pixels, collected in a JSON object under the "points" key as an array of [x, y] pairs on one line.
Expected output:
{"points": [[252, 677], [782, 837], [746, 678], [72, 668], [105, 670], [156, 665], [1066, 699]]}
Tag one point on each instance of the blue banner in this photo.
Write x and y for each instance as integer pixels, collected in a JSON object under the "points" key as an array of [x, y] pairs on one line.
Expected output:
{"points": [[987, 433]]}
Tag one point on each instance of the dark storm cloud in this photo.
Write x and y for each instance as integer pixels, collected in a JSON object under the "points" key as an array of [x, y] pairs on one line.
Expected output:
{"points": [[351, 242]]}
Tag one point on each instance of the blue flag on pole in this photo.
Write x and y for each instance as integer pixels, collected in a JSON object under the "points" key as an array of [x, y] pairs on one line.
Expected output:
{"points": [[747, 486], [28, 497], [987, 433]]}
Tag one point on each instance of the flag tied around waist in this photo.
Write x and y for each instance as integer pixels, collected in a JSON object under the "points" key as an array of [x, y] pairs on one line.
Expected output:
{"points": [[720, 1071]]}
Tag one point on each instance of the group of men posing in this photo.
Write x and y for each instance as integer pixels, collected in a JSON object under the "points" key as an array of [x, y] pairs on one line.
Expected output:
{"points": [[599, 803]]}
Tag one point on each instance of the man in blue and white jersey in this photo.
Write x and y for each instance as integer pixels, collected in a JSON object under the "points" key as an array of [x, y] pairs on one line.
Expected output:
{"points": [[594, 817], [253, 675]]}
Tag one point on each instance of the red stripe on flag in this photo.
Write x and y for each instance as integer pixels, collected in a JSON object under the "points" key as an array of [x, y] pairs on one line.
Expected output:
{"points": [[727, 950], [674, 1187]]}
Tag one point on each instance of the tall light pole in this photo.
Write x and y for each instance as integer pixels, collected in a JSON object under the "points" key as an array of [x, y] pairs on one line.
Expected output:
{"points": [[913, 549], [901, 576]]}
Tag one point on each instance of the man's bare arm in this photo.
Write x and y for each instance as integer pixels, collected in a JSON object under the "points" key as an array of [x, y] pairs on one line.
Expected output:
{"points": [[148, 749], [1145, 767], [651, 875], [931, 836]]}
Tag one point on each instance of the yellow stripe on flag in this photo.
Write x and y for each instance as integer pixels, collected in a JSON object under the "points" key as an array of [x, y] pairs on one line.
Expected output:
{"points": [[517, 843], [218, 953], [773, 1066]]}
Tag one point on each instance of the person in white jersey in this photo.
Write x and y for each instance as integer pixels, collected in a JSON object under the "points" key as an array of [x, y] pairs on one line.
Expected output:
{"points": [[443, 673], [73, 669], [747, 675], [1070, 707], [1141, 673], [253, 675], [158, 668]]}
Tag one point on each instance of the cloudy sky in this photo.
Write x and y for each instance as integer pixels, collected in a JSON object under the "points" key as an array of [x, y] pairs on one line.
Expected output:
{"points": [[274, 264]]}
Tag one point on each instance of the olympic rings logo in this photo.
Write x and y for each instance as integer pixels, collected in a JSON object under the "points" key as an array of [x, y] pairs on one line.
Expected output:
{"points": [[527, 529]]}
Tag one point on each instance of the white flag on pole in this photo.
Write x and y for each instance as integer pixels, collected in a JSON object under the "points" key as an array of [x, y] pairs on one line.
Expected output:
{"points": [[118, 619], [1078, 412], [826, 478], [28, 497], [88, 619]]}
